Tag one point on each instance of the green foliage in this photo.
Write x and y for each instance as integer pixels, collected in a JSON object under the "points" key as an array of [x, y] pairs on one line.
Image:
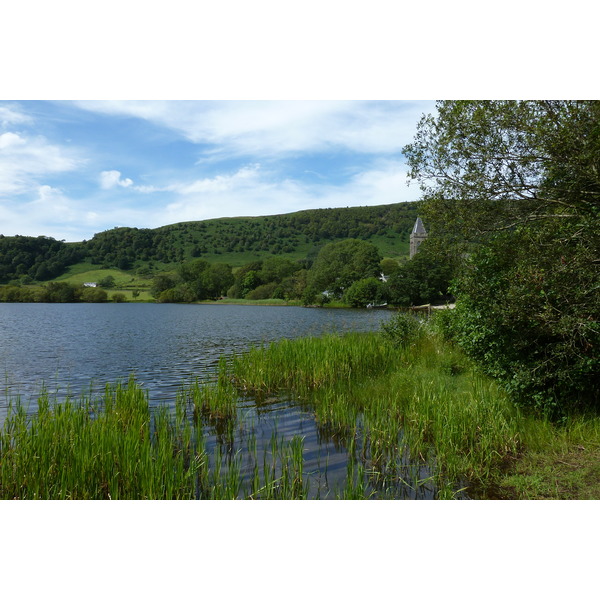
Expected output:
{"points": [[262, 292], [240, 239], [59, 291], [422, 280], [389, 266], [340, 264], [94, 295], [40, 258], [161, 283], [402, 330], [107, 282], [13, 293], [515, 187], [366, 291]]}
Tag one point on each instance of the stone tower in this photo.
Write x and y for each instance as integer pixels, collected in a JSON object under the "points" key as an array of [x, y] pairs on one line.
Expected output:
{"points": [[417, 236]]}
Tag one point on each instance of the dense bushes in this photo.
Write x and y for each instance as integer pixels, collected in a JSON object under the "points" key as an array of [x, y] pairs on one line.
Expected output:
{"points": [[40, 258], [512, 188], [55, 292]]}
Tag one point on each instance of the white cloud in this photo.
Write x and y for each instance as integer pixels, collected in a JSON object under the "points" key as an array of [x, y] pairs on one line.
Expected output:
{"points": [[110, 179], [23, 160], [275, 128], [252, 191], [11, 116]]}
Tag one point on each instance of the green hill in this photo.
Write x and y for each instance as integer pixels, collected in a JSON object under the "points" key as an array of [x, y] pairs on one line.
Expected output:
{"points": [[236, 241]]}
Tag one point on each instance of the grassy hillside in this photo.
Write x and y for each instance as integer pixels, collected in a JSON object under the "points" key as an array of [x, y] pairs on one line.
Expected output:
{"points": [[240, 240], [127, 253]]}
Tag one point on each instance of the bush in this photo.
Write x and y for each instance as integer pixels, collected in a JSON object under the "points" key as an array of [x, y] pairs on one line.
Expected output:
{"points": [[366, 291], [94, 295], [402, 330], [262, 292], [442, 323]]}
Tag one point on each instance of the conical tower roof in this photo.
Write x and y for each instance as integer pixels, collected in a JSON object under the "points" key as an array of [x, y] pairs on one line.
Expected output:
{"points": [[419, 229]]}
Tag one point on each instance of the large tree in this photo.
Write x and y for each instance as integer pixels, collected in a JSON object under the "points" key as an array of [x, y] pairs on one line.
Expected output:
{"points": [[340, 264], [511, 192]]}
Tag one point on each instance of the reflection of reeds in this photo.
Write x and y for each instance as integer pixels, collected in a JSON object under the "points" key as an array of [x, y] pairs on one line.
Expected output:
{"points": [[416, 411]]}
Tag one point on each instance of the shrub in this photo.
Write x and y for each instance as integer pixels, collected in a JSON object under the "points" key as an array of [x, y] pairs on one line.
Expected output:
{"points": [[262, 292], [402, 330]]}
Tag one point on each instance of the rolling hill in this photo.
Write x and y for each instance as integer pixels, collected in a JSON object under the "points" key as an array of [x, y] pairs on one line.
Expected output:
{"points": [[235, 241]]}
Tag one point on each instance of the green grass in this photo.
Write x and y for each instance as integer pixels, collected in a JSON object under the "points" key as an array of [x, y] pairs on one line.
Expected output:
{"points": [[425, 404], [412, 418], [85, 272]]}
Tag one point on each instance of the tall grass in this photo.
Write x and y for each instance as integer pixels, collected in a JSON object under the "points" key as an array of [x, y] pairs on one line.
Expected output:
{"points": [[116, 447], [104, 448], [417, 408], [416, 420]]}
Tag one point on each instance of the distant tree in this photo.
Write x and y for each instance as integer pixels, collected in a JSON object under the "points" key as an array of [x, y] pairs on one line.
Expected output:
{"points": [[94, 295], [59, 291], [161, 283], [366, 291], [389, 266], [107, 282], [262, 292], [340, 264], [425, 279]]}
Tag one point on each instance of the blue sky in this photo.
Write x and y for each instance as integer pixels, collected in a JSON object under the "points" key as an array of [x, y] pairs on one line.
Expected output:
{"points": [[71, 169]]}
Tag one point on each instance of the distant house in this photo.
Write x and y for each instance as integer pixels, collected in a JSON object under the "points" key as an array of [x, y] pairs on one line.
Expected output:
{"points": [[90, 284], [417, 236]]}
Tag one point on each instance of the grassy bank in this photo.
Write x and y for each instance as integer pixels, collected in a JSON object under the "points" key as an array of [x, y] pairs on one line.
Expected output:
{"points": [[412, 415]]}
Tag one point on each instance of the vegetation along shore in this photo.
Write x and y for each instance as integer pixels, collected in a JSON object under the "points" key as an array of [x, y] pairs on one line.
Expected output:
{"points": [[497, 398], [412, 410]]}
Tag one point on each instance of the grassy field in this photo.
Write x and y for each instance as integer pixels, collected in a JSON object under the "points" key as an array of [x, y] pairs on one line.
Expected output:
{"points": [[85, 273]]}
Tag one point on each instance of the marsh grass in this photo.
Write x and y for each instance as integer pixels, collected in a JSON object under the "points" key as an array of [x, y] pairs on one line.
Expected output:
{"points": [[105, 448], [116, 447], [416, 416], [416, 420]]}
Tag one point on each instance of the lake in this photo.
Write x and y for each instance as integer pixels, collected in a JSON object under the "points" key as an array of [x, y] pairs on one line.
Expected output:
{"points": [[72, 349], [68, 347]]}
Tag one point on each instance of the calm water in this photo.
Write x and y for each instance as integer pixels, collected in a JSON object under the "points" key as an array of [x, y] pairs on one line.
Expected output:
{"points": [[70, 346], [77, 348]]}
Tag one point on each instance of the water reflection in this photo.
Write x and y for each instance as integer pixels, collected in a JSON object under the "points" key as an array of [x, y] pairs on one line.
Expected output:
{"points": [[75, 349]]}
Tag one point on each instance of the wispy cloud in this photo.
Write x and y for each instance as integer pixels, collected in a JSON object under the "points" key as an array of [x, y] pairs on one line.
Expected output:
{"points": [[10, 115], [254, 191], [24, 159], [276, 128], [98, 168]]}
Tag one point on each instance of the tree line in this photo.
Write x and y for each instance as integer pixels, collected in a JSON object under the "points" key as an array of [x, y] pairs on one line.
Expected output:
{"points": [[352, 271], [26, 259], [511, 191], [57, 291]]}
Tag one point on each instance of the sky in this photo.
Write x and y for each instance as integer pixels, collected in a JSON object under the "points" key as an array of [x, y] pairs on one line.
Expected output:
{"points": [[69, 169]]}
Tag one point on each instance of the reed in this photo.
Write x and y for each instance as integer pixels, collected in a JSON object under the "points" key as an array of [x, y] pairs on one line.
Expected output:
{"points": [[105, 448], [416, 420], [310, 363], [421, 404]]}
